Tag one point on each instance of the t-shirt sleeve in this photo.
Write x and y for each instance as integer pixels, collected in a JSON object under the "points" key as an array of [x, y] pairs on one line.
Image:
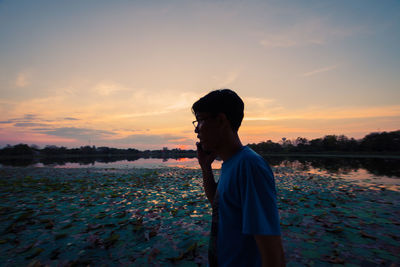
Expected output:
{"points": [[258, 199]]}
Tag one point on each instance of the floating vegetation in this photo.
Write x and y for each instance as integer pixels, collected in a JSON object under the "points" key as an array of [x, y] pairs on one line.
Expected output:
{"points": [[65, 217]]}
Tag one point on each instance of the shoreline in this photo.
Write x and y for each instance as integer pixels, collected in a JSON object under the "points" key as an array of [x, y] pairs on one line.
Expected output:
{"points": [[331, 155], [188, 155]]}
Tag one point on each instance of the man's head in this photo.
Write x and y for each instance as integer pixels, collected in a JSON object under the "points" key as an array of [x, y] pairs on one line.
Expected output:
{"points": [[218, 118], [223, 101]]}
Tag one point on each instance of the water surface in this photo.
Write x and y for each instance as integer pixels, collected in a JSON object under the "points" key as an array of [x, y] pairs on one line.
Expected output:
{"points": [[364, 171]]}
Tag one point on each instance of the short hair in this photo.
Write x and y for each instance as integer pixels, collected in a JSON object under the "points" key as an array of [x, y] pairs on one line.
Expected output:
{"points": [[223, 101]]}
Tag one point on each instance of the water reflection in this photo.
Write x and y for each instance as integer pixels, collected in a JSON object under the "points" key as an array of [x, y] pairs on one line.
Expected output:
{"points": [[59, 162], [335, 165]]}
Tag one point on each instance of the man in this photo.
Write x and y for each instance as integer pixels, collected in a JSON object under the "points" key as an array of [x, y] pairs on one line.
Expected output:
{"points": [[245, 227]]}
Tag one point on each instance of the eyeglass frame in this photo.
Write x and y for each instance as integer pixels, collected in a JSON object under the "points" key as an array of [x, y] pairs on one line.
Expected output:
{"points": [[197, 122]]}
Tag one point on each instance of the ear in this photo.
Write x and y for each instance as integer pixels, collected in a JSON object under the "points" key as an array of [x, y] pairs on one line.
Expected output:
{"points": [[223, 120]]}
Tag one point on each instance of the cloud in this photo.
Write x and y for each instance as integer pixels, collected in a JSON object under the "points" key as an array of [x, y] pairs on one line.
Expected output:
{"points": [[29, 124], [255, 107], [325, 69], [147, 103], [107, 88], [330, 113], [23, 79], [257, 102], [27, 118], [71, 119], [30, 117], [77, 133], [151, 139], [351, 112], [137, 104], [227, 79]]}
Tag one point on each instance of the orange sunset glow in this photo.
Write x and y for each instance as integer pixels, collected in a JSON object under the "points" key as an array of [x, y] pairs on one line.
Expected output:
{"points": [[125, 74]]}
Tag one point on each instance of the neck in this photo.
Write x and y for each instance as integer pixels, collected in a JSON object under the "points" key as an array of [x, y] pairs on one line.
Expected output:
{"points": [[230, 146]]}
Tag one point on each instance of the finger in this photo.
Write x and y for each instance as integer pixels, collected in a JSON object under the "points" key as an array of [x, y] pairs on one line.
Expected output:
{"points": [[199, 147]]}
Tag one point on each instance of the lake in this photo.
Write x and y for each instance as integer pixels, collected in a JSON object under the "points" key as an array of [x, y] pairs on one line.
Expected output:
{"points": [[152, 212], [384, 172]]}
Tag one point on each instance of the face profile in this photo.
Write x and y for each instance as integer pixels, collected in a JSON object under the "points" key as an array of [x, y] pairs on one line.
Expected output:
{"points": [[206, 130]]}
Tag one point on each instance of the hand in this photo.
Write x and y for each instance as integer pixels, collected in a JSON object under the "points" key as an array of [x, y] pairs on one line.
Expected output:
{"points": [[205, 158]]}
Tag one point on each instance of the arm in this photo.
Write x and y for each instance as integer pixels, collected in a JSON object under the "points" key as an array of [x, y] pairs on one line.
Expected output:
{"points": [[205, 160], [271, 250]]}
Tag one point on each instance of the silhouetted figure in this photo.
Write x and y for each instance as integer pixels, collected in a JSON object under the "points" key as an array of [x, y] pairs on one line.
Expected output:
{"points": [[245, 227]]}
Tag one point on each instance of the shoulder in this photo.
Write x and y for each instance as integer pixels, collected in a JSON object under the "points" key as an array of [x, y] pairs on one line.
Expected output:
{"points": [[255, 165], [246, 162], [251, 158]]}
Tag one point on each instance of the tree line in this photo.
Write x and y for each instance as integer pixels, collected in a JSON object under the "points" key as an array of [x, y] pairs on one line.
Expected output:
{"points": [[383, 142], [24, 150]]}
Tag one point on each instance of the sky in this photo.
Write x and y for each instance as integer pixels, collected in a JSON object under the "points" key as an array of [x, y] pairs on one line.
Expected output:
{"points": [[126, 73]]}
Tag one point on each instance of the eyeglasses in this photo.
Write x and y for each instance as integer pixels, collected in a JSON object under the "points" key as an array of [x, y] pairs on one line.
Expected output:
{"points": [[197, 122]]}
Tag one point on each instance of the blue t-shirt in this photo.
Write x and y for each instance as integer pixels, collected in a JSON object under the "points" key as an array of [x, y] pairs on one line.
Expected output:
{"points": [[244, 205]]}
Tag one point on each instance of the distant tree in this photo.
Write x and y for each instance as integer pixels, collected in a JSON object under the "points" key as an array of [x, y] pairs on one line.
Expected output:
{"points": [[133, 151], [316, 145], [18, 150], [352, 145], [300, 141], [330, 143], [52, 150], [302, 144], [35, 147], [285, 142], [87, 150], [103, 150], [385, 141], [267, 147]]}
